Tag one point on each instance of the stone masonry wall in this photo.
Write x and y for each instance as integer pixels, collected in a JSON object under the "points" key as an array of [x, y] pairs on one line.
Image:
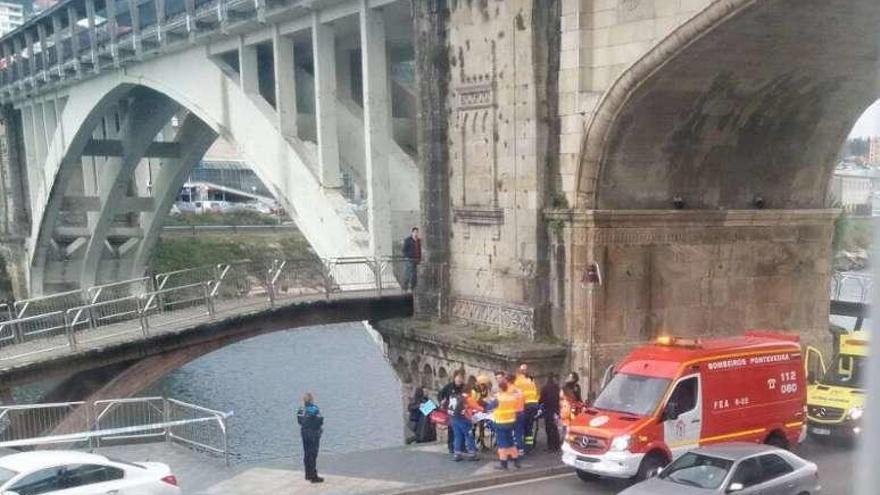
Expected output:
{"points": [[692, 274], [600, 39], [498, 141]]}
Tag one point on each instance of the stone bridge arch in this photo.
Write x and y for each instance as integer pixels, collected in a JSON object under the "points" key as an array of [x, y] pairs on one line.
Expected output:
{"points": [[747, 99], [738, 114], [145, 97]]}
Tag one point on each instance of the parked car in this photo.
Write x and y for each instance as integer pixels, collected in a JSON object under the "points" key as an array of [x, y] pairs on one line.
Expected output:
{"points": [[741, 468], [60, 472]]}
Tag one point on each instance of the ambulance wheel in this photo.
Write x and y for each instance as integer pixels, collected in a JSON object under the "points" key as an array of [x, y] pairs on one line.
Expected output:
{"points": [[585, 476], [778, 440], [651, 465]]}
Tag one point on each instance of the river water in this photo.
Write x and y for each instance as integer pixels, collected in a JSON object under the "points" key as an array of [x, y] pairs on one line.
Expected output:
{"points": [[263, 379]]}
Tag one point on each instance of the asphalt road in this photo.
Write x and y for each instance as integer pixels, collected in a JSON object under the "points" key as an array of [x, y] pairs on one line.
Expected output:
{"points": [[835, 471]]}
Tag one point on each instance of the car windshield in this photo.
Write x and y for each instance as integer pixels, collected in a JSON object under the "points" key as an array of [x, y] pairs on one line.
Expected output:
{"points": [[6, 475], [697, 470], [846, 371], [632, 394]]}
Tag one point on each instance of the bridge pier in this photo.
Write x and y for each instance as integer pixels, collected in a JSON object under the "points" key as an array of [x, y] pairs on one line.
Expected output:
{"points": [[691, 273]]}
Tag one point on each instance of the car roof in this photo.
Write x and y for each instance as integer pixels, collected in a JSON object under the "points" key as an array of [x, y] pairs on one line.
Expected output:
{"points": [[735, 451], [29, 461]]}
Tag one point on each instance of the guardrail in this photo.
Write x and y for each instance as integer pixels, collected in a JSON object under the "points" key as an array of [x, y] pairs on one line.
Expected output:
{"points": [[851, 287], [70, 319], [114, 421]]}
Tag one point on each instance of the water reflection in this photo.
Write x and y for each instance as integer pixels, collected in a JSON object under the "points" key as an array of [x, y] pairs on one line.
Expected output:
{"points": [[262, 380]]}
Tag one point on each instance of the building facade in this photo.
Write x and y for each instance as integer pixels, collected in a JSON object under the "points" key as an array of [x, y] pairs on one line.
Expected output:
{"points": [[11, 16]]}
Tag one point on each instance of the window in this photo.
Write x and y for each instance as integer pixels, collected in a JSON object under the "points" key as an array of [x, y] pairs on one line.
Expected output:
{"points": [[773, 466], [42, 481], [698, 470], [86, 474], [685, 395], [632, 394], [748, 473], [6, 475]]}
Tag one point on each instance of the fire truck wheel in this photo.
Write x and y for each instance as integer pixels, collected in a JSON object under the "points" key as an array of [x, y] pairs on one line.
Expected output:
{"points": [[777, 439], [585, 476], [651, 465]]}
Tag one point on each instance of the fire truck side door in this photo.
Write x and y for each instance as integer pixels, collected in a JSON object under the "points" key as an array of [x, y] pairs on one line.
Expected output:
{"points": [[814, 364], [683, 415]]}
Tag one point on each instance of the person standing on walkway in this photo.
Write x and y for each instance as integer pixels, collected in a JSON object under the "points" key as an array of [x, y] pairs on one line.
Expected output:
{"points": [[461, 409], [453, 388], [526, 385], [504, 406], [550, 400], [412, 251], [311, 426]]}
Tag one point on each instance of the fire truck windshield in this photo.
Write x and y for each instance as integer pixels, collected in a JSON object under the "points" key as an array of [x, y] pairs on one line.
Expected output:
{"points": [[846, 371], [632, 394]]}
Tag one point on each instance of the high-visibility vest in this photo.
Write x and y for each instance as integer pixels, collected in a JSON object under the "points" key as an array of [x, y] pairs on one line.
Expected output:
{"points": [[505, 413], [473, 404], [528, 388]]}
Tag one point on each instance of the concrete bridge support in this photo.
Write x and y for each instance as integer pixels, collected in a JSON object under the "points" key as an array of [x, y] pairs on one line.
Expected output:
{"points": [[99, 180]]}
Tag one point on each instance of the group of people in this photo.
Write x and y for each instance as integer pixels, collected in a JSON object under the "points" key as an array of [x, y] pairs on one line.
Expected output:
{"points": [[512, 407]]}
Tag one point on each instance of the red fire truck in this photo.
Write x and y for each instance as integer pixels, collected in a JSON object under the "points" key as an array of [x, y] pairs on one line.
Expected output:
{"points": [[676, 394]]}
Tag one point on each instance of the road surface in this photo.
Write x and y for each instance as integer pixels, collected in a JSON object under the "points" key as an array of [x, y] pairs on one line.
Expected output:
{"points": [[835, 471]]}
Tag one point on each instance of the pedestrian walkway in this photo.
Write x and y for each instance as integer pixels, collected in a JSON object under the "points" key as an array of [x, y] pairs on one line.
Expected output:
{"points": [[399, 470]]}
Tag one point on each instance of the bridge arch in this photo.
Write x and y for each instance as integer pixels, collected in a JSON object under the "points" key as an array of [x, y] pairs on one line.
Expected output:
{"points": [[722, 127], [215, 105], [736, 118]]}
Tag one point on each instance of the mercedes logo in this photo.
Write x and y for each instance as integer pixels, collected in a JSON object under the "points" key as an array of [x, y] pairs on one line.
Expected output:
{"points": [[822, 412]]}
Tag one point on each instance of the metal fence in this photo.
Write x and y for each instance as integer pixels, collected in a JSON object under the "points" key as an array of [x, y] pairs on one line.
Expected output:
{"points": [[145, 305], [115, 421], [851, 287]]}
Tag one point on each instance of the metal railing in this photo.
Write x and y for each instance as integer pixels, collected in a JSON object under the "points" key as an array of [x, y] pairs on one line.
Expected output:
{"points": [[136, 308], [114, 421], [71, 53], [851, 287]]}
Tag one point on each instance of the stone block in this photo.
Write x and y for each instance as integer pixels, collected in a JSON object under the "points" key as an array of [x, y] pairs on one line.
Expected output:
{"points": [[692, 6]]}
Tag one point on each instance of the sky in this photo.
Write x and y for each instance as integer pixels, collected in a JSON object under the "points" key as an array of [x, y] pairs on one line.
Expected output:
{"points": [[869, 123]]}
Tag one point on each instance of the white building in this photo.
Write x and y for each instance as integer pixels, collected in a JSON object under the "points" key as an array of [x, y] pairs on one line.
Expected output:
{"points": [[874, 151], [11, 16]]}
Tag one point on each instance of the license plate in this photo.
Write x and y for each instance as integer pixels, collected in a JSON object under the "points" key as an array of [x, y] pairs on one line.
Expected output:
{"points": [[820, 431]]}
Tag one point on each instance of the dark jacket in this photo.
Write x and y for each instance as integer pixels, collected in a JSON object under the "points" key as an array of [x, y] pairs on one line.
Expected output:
{"points": [[310, 420], [573, 390], [412, 248], [448, 391], [550, 398]]}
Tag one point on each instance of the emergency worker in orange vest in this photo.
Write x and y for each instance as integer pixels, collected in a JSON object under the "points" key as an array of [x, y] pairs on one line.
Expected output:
{"points": [[526, 385], [504, 406]]}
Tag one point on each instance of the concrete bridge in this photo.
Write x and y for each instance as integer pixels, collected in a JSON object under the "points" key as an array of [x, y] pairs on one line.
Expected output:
{"points": [[589, 171], [114, 102]]}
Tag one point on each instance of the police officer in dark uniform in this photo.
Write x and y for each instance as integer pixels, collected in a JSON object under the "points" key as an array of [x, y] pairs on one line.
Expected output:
{"points": [[311, 425]]}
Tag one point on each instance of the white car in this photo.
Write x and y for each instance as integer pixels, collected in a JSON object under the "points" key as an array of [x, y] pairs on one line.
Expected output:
{"points": [[61, 472]]}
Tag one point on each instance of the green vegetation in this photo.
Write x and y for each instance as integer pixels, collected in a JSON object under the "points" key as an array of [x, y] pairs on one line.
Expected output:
{"points": [[178, 253], [851, 234], [237, 217]]}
